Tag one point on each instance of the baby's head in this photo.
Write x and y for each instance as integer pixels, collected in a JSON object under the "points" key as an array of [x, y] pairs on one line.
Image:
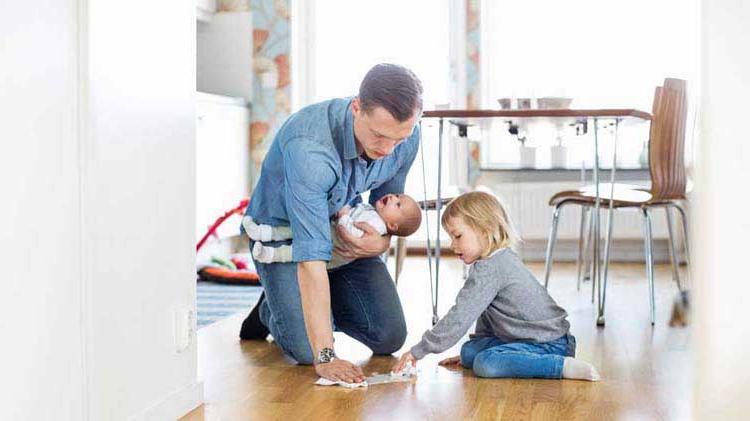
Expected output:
{"points": [[478, 225], [400, 213]]}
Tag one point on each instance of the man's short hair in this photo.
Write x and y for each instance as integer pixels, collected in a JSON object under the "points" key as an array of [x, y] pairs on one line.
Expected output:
{"points": [[393, 87]]}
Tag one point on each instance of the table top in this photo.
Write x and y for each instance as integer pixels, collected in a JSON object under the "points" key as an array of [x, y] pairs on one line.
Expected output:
{"points": [[531, 113]]}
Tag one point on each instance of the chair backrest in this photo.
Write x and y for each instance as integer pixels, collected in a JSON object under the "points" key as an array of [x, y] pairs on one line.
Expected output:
{"points": [[667, 144]]}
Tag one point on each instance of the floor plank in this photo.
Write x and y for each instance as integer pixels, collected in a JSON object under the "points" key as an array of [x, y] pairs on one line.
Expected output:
{"points": [[646, 370]]}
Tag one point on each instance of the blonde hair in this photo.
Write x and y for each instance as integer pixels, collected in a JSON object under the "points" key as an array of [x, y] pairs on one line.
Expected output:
{"points": [[484, 214]]}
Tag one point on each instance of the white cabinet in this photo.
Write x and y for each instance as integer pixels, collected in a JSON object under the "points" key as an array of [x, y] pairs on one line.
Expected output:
{"points": [[204, 10], [222, 161], [224, 55]]}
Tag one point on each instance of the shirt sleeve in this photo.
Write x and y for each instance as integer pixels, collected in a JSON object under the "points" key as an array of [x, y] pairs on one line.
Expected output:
{"points": [[397, 182], [309, 175], [475, 296]]}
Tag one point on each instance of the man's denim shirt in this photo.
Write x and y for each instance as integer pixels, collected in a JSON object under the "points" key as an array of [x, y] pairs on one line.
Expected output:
{"points": [[312, 170]]}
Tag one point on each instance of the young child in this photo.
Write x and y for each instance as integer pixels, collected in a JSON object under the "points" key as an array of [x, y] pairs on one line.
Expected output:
{"points": [[395, 214], [520, 330]]}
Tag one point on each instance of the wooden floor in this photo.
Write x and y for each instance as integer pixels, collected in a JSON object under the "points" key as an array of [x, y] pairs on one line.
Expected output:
{"points": [[646, 371]]}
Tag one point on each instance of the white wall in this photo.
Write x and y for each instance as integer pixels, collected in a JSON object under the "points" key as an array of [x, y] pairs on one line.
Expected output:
{"points": [[97, 169], [40, 241], [722, 227], [139, 205]]}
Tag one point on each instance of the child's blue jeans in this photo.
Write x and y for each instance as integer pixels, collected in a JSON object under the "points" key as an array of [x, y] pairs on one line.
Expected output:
{"points": [[489, 356]]}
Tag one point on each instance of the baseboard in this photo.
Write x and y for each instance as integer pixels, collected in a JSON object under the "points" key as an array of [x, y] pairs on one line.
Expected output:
{"points": [[566, 250], [174, 406]]}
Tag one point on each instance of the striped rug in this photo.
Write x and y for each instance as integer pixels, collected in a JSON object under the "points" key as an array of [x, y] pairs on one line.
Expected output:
{"points": [[218, 301]]}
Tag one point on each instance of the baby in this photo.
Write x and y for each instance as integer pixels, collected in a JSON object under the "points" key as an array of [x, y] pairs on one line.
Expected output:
{"points": [[394, 214]]}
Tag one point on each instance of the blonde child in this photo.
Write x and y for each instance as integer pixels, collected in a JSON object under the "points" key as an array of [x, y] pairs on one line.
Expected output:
{"points": [[520, 330]]}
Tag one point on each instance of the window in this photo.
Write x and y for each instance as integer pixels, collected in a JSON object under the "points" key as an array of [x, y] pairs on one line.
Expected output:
{"points": [[353, 35], [350, 36], [338, 41], [600, 55]]}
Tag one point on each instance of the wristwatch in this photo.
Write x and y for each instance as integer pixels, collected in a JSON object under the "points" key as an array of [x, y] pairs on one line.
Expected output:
{"points": [[325, 355]]}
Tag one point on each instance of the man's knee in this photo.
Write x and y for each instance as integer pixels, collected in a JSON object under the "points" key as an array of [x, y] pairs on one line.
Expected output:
{"points": [[389, 338]]}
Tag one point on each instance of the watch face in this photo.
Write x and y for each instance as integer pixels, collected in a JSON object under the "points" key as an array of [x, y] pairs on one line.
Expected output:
{"points": [[326, 355]]}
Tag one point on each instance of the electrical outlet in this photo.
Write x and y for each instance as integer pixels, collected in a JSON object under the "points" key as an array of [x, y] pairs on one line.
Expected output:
{"points": [[184, 328]]}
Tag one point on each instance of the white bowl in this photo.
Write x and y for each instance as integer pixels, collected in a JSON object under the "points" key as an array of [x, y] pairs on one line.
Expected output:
{"points": [[553, 102]]}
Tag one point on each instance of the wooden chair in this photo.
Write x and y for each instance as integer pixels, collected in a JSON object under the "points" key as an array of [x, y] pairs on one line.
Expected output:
{"points": [[668, 185]]}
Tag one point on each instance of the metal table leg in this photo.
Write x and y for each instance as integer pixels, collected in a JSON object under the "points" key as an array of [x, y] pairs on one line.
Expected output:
{"points": [[438, 208], [600, 280], [427, 224], [595, 273]]}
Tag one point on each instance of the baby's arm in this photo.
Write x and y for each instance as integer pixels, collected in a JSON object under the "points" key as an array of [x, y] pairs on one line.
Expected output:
{"points": [[361, 215]]}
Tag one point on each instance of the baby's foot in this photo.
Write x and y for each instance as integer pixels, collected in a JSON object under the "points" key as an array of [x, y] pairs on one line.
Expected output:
{"points": [[257, 232], [262, 253], [579, 370]]}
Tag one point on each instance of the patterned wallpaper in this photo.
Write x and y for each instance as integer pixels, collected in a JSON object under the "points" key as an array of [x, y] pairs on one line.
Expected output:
{"points": [[473, 42], [271, 85], [473, 85]]}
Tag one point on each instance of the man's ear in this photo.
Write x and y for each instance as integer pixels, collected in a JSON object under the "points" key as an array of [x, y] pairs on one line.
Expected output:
{"points": [[356, 106]]}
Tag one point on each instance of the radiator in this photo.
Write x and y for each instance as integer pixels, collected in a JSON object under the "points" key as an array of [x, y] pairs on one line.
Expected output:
{"points": [[527, 205]]}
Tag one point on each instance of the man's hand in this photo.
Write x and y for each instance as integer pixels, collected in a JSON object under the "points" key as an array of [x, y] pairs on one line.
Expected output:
{"points": [[405, 360], [340, 371], [369, 245]]}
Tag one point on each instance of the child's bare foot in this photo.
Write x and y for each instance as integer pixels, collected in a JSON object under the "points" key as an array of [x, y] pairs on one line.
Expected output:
{"points": [[579, 370]]}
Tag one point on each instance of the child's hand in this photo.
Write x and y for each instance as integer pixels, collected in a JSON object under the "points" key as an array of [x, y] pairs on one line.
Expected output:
{"points": [[406, 359], [451, 361]]}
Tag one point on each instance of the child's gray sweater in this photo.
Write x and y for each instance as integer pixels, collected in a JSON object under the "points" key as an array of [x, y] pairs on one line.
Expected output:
{"points": [[506, 301]]}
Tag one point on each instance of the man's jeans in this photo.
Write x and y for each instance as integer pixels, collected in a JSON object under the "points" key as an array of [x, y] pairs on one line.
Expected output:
{"points": [[491, 357], [364, 305]]}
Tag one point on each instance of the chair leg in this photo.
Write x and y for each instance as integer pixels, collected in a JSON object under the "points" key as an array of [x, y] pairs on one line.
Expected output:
{"points": [[551, 244], [607, 247], [683, 216], [685, 238], [649, 260], [673, 249], [400, 256], [581, 241]]}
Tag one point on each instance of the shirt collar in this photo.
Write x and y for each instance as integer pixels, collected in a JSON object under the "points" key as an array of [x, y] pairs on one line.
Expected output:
{"points": [[350, 144]]}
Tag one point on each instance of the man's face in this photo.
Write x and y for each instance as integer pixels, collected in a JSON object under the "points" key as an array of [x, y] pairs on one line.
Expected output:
{"points": [[377, 132]]}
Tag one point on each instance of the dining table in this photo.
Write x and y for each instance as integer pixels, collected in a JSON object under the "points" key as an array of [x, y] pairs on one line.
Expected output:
{"points": [[587, 118]]}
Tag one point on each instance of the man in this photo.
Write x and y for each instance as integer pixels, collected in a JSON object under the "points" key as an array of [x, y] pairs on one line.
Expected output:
{"points": [[323, 158]]}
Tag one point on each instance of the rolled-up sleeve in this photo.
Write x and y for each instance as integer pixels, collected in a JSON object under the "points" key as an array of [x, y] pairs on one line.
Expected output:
{"points": [[309, 174], [406, 159]]}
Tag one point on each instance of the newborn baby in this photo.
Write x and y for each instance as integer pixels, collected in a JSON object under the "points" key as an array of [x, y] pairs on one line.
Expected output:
{"points": [[394, 214]]}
